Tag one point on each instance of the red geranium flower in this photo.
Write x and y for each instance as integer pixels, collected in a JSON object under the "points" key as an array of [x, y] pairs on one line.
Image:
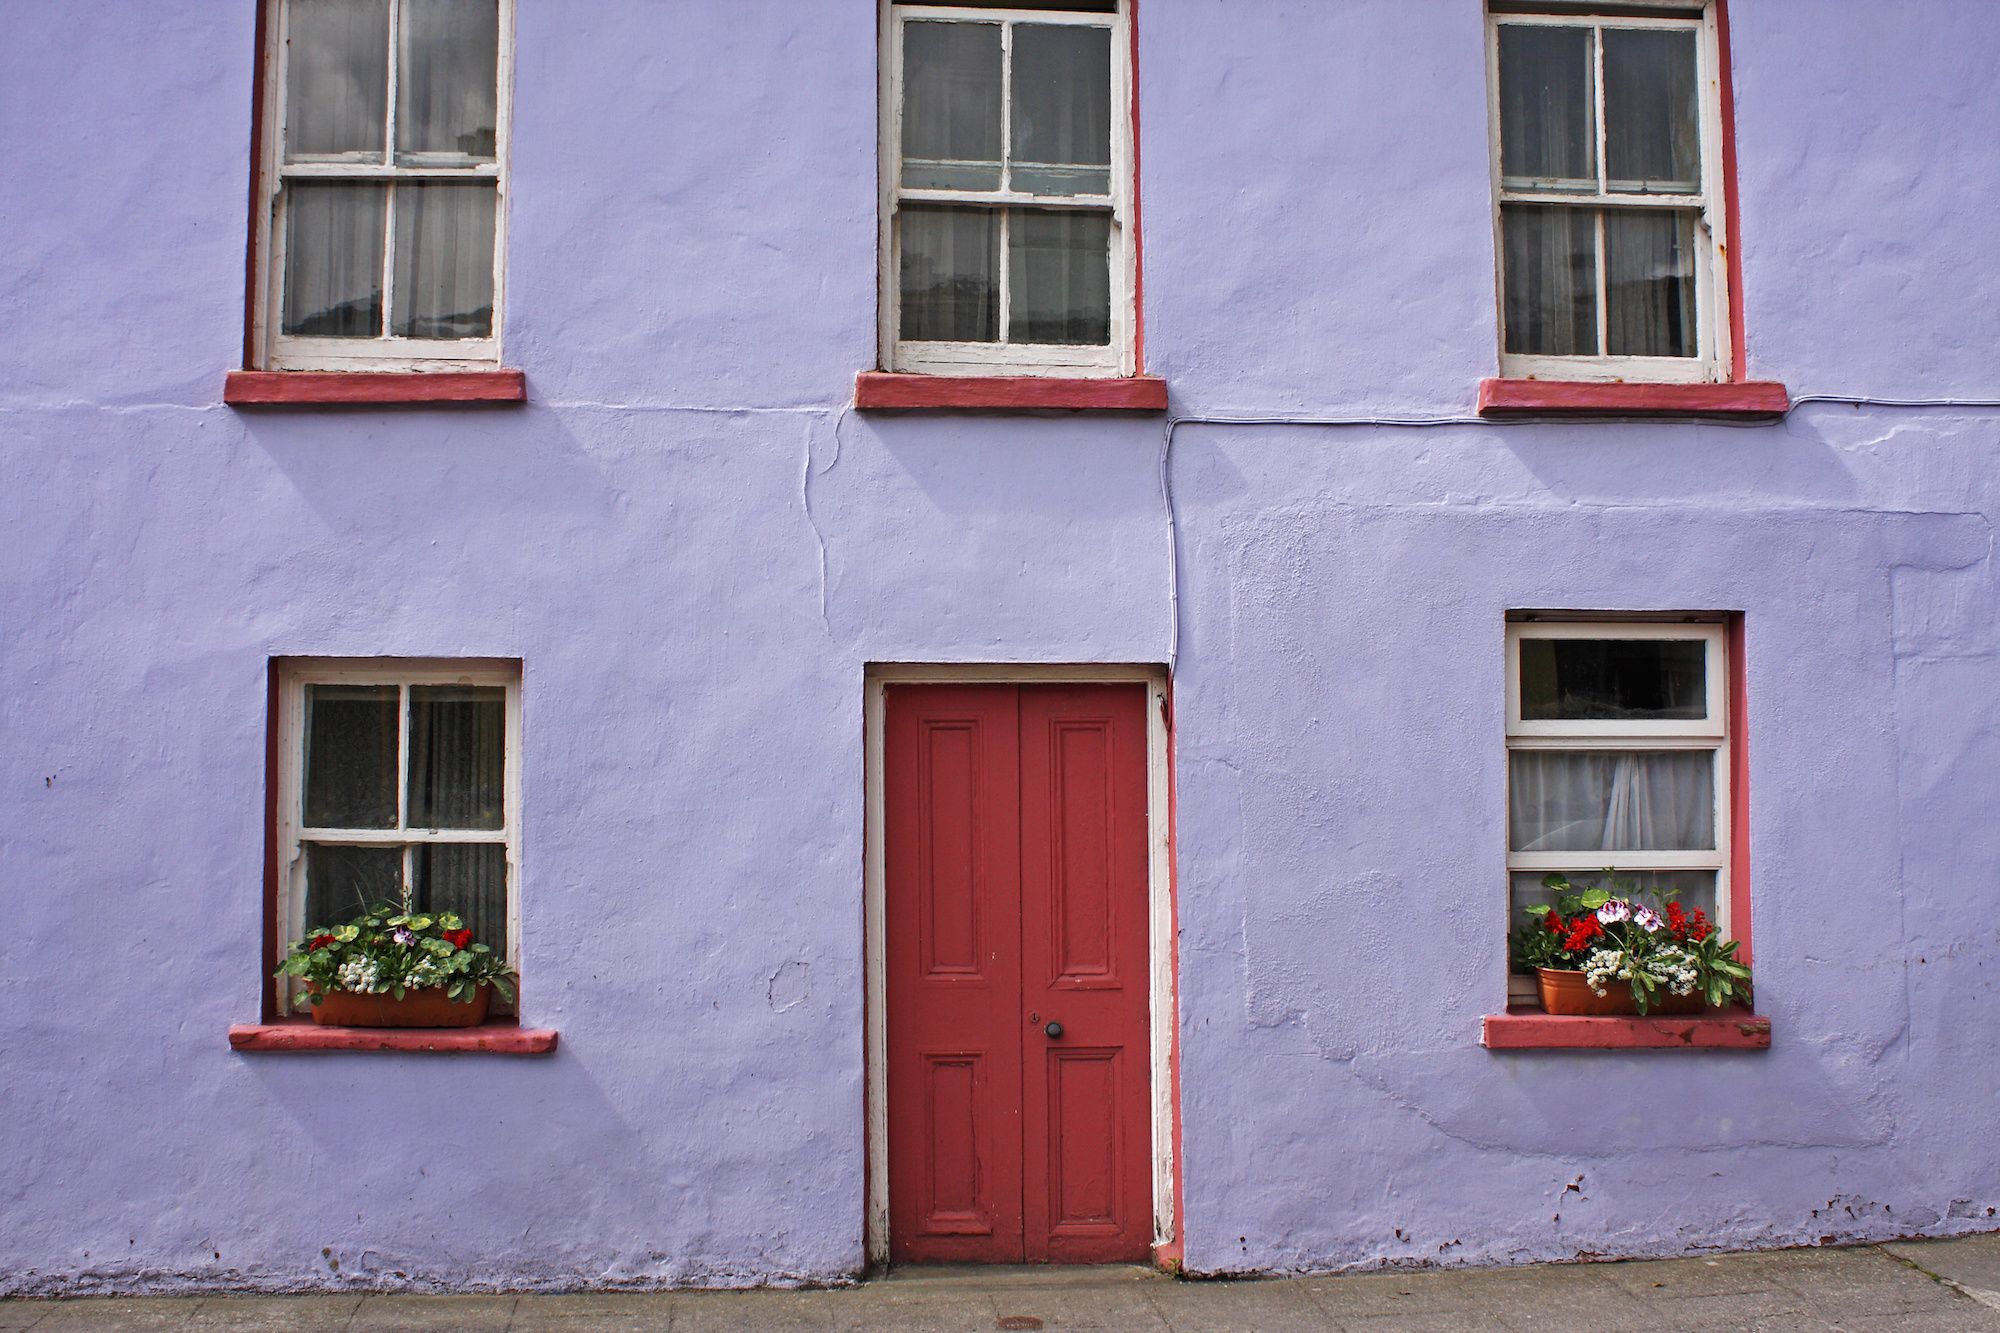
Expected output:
{"points": [[318, 942], [458, 938], [1554, 922]]}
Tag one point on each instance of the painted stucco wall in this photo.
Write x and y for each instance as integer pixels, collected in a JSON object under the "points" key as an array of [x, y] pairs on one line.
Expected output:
{"points": [[694, 548]]}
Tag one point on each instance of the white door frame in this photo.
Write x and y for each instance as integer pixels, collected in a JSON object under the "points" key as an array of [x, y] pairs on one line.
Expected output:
{"points": [[1160, 913]]}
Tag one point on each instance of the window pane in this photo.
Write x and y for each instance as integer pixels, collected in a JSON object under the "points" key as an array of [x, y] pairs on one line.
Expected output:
{"points": [[333, 259], [350, 759], [1590, 680], [1551, 262], [951, 106], [469, 878], [1649, 266], [344, 882], [458, 737], [1689, 888], [1548, 136], [444, 259], [1652, 136], [1611, 800], [1059, 267], [446, 108], [1061, 121], [950, 274], [336, 78]]}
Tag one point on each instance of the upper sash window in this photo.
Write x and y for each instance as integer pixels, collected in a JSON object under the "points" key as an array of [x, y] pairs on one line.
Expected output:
{"points": [[1006, 190], [1607, 168], [384, 176]]}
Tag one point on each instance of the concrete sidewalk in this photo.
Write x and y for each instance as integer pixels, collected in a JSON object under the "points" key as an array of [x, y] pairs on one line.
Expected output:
{"points": [[1952, 1286]]}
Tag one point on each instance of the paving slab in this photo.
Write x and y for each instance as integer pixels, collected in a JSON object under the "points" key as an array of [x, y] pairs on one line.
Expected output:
{"points": [[294, 1314], [1969, 1263]]}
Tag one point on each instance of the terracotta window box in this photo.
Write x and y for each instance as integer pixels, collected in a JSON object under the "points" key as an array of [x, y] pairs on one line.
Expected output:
{"points": [[1751, 400], [364, 388], [1735, 1029], [881, 390], [302, 1034]]}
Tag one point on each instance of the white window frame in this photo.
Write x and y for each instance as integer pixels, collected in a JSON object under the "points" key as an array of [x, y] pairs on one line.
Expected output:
{"points": [[1710, 734], [292, 833], [1118, 356], [280, 351], [1713, 359]]}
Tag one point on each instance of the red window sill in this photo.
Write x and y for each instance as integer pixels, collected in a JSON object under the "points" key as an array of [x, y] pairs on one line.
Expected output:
{"points": [[305, 1035], [883, 390], [281, 388], [1541, 398], [1533, 1030]]}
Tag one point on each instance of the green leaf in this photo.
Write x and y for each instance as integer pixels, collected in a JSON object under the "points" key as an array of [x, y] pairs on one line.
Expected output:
{"points": [[420, 923], [1595, 898], [1555, 883]]}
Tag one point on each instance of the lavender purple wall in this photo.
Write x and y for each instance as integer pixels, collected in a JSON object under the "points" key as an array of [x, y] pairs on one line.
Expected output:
{"points": [[694, 549]]}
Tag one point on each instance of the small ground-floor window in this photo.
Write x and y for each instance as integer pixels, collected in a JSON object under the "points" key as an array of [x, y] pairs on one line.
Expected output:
{"points": [[1618, 762], [397, 780]]}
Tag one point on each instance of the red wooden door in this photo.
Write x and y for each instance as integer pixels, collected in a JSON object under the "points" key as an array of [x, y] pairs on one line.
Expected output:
{"points": [[1016, 899]]}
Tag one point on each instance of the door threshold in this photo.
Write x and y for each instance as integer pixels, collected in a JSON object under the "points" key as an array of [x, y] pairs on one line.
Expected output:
{"points": [[1023, 1275]]}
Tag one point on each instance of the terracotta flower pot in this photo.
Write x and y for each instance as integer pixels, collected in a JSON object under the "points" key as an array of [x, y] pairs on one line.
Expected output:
{"points": [[428, 1008], [1566, 992]]}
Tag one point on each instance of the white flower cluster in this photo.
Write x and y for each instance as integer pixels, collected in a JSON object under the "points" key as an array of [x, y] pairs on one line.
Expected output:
{"points": [[423, 973], [1672, 968], [361, 976]]}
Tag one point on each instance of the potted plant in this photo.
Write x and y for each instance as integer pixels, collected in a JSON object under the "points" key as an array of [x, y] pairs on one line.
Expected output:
{"points": [[1596, 952], [392, 967]]}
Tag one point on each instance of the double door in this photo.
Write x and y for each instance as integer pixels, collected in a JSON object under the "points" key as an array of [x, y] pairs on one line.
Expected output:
{"points": [[1016, 948]]}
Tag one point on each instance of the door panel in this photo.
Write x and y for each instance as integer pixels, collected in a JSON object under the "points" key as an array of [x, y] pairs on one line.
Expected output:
{"points": [[1088, 1190], [1016, 897], [951, 777]]}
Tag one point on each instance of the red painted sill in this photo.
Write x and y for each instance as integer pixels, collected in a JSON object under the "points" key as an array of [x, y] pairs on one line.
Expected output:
{"points": [[1749, 400], [301, 388], [885, 390], [1533, 1030], [305, 1035]]}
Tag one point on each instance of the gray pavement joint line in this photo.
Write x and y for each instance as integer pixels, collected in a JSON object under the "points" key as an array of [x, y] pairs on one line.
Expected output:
{"points": [[1989, 1299]]}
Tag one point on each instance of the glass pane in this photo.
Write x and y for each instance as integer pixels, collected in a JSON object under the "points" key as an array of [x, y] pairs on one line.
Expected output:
{"points": [[1611, 800], [1590, 680], [951, 106], [1548, 133], [1690, 888], [336, 78], [1061, 122], [469, 878], [333, 259], [1649, 267], [950, 274], [1652, 118], [458, 746], [449, 63], [1551, 262], [1059, 268], [444, 259], [344, 882], [350, 759]]}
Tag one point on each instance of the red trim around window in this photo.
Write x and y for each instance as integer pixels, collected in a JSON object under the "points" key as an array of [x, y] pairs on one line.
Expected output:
{"points": [[305, 1035], [251, 254], [1739, 790], [1732, 225], [1543, 398], [1533, 1030], [1138, 232], [273, 944], [278, 388], [887, 390]]}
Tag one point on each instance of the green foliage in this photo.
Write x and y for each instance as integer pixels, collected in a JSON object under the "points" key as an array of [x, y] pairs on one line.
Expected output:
{"points": [[388, 950]]}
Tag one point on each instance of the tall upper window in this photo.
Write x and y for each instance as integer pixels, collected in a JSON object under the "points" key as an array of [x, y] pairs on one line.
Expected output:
{"points": [[1007, 189], [1607, 147], [385, 164], [398, 774], [1618, 760]]}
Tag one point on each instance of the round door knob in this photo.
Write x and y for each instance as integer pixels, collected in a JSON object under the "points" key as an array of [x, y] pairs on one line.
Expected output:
{"points": [[1053, 1029]]}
